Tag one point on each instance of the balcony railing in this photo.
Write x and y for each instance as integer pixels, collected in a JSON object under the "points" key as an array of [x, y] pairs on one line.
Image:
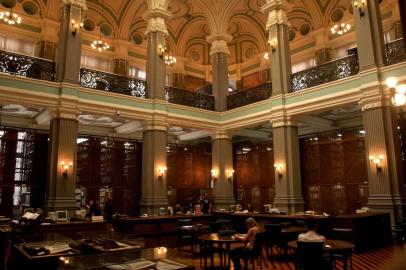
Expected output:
{"points": [[395, 52], [189, 98], [328, 72], [249, 96], [27, 66], [112, 83], [206, 89]]}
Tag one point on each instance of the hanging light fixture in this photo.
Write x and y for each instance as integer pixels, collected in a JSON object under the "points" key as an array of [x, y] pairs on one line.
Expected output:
{"points": [[399, 92], [340, 29], [170, 60], [10, 17], [99, 44]]}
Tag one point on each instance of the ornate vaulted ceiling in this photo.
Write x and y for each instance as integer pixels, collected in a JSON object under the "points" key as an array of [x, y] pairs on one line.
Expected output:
{"points": [[194, 20]]}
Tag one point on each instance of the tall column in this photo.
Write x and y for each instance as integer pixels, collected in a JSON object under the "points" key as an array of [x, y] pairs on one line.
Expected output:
{"points": [[70, 41], [370, 42], [385, 179], [222, 164], [60, 192], [277, 26], [156, 31], [288, 186], [219, 53], [154, 182]]}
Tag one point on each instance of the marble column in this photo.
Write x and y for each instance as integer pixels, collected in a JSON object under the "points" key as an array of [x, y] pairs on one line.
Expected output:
{"points": [[277, 26], [154, 193], [222, 164], [288, 186], [219, 53], [382, 142], [370, 42], [60, 192], [70, 42], [120, 67]]}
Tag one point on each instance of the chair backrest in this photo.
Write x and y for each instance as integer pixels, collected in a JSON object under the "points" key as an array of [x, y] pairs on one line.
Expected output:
{"points": [[273, 231], [309, 255], [258, 243]]}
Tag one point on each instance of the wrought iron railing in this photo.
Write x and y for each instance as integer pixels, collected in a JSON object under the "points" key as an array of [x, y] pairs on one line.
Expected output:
{"points": [[112, 83], [395, 52], [249, 96], [27, 66], [189, 98], [328, 72]]}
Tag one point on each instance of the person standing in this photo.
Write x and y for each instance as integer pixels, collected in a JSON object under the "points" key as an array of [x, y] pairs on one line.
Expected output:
{"points": [[108, 212], [205, 204]]}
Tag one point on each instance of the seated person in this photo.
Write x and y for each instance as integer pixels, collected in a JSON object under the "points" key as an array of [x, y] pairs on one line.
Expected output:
{"points": [[178, 209], [311, 235], [237, 253]]}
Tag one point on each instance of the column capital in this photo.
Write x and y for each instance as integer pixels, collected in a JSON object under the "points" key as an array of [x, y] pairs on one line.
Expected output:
{"points": [[158, 125], [221, 135], [277, 12], [65, 114], [76, 3], [219, 43], [283, 122], [156, 15], [375, 97]]}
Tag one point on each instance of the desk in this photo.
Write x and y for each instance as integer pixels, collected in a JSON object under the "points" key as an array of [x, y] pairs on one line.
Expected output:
{"points": [[333, 246], [215, 238]]}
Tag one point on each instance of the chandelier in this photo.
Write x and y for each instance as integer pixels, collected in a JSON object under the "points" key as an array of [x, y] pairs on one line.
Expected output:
{"points": [[10, 17], [340, 29], [99, 45], [170, 60], [399, 92]]}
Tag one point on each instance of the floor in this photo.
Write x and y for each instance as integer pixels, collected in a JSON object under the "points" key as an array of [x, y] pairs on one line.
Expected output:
{"points": [[386, 258]]}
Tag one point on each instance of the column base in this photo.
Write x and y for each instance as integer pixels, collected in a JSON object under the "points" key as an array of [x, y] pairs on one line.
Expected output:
{"points": [[223, 202], [60, 204], [289, 204], [151, 205], [387, 204]]}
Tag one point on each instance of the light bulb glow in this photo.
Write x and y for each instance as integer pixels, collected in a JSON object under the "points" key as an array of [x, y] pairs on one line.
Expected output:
{"points": [[99, 45], [391, 82], [399, 99]]}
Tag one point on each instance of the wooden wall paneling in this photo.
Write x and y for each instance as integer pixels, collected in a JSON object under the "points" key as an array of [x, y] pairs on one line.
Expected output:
{"points": [[193, 83], [38, 175], [10, 147], [251, 80], [202, 166], [92, 183]]}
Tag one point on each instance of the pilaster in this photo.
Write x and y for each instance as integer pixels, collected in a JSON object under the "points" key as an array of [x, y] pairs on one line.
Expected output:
{"points": [[60, 192], [368, 26], [278, 27], [385, 171], [288, 186], [219, 53], [222, 166], [154, 182]]}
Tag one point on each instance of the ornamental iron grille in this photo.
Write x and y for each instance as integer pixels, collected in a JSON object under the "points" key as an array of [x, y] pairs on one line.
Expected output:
{"points": [[395, 52], [27, 66], [189, 98], [328, 72], [249, 96], [112, 83]]}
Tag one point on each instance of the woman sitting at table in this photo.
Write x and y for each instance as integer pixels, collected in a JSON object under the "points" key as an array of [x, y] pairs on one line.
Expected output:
{"points": [[237, 253], [311, 235]]}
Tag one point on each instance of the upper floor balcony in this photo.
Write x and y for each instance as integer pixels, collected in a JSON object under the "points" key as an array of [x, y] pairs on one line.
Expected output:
{"points": [[42, 69]]}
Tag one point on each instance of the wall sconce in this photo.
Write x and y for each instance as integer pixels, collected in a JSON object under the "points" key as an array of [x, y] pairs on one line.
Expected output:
{"points": [[75, 26], [230, 174], [377, 161], [278, 168], [161, 51], [398, 91], [361, 6], [161, 171], [273, 43], [65, 168], [214, 174]]}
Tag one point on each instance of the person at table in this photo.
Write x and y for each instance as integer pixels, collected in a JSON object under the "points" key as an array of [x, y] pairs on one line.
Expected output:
{"points": [[93, 209], [237, 253], [205, 204], [311, 235], [190, 205], [250, 207], [178, 209], [108, 212]]}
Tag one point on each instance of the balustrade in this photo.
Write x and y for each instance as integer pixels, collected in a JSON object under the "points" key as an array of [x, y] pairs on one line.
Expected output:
{"points": [[249, 96], [27, 66], [189, 98], [328, 72], [112, 83], [395, 52]]}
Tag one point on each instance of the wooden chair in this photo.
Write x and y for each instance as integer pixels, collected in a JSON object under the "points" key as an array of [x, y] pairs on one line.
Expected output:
{"points": [[256, 252], [273, 238], [310, 256]]}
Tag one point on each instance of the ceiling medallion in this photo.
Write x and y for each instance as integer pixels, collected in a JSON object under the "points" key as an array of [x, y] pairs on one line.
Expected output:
{"points": [[10, 17]]}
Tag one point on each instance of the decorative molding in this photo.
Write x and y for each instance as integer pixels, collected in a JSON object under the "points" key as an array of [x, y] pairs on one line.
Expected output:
{"points": [[219, 46], [221, 135], [277, 12], [77, 3], [156, 24], [156, 125]]}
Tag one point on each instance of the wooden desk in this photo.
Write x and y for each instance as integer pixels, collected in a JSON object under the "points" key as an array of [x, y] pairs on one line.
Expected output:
{"points": [[215, 238], [158, 230], [369, 230]]}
